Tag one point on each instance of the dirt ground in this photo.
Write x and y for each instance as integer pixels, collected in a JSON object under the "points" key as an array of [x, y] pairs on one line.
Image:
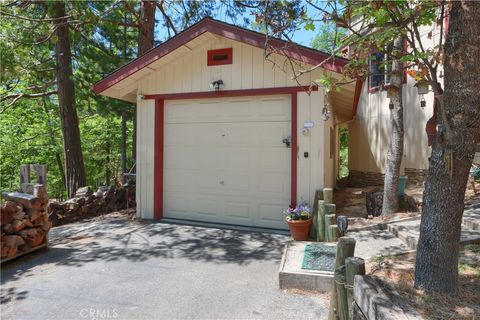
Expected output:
{"points": [[351, 203], [399, 271]]}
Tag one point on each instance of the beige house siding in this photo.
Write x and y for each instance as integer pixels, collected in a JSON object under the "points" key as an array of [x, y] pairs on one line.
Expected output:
{"points": [[145, 157], [369, 133], [249, 70]]}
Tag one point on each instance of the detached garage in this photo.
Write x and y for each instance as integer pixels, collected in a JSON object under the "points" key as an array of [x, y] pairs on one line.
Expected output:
{"points": [[225, 134]]}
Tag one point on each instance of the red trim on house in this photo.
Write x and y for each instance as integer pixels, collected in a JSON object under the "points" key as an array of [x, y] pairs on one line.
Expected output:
{"points": [[294, 152], [159, 135], [158, 160], [297, 52], [356, 96], [230, 93], [212, 54]]}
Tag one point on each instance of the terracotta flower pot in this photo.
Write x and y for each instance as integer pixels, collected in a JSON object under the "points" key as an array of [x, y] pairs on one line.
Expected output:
{"points": [[299, 229]]}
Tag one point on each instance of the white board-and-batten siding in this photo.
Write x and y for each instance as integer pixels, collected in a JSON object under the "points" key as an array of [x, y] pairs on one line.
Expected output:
{"points": [[249, 70]]}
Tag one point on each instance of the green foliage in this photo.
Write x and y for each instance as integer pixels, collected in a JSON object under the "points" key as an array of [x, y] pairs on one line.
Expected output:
{"points": [[329, 38], [343, 161]]}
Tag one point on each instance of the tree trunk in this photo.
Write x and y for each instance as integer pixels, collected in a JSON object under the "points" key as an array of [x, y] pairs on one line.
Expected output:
{"points": [[75, 170], [395, 149], [107, 163], [58, 158], [146, 32], [124, 145], [436, 268]]}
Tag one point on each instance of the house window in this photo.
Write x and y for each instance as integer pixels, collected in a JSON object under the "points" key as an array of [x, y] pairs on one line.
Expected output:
{"points": [[219, 57], [379, 72]]}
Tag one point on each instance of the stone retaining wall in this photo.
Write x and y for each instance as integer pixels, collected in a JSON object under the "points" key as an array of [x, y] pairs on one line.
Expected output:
{"points": [[365, 178], [360, 179], [416, 176]]}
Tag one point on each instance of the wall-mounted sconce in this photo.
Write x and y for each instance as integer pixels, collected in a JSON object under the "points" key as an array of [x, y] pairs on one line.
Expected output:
{"points": [[140, 97], [307, 125], [216, 85], [422, 89], [391, 106]]}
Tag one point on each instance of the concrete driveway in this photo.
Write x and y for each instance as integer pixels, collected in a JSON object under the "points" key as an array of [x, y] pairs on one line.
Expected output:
{"points": [[113, 268]]}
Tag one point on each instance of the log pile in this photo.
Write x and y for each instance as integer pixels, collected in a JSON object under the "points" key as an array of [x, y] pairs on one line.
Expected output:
{"points": [[24, 222], [87, 203]]}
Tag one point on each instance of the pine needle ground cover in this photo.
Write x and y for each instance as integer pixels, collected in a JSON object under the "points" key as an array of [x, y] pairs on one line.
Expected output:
{"points": [[399, 271]]}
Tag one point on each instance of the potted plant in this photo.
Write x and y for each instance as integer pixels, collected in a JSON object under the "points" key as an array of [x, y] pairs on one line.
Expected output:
{"points": [[299, 220]]}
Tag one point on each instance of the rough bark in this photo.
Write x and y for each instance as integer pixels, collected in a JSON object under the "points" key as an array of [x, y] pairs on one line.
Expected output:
{"points": [[395, 149], [145, 42], [124, 145], [436, 268], [75, 170]]}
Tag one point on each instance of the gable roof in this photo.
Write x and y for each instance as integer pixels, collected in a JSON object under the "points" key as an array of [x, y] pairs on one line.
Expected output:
{"points": [[297, 52]]}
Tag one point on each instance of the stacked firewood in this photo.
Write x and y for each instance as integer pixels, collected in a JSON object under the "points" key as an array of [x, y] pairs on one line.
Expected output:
{"points": [[24, 221], [87, 203]]}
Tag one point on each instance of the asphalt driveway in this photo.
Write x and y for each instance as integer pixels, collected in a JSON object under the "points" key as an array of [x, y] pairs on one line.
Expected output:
{"points": [[113, 268]]}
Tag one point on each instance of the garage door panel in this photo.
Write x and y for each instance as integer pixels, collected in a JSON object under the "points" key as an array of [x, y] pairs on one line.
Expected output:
{"points": [[224, 160]]}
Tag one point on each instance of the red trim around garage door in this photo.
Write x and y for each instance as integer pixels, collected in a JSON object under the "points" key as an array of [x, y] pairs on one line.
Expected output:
{"points": [[158, 159], [160, 123]]}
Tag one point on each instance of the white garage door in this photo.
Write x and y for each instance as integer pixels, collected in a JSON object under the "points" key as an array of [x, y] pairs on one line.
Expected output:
{"points": [[225, 162]]}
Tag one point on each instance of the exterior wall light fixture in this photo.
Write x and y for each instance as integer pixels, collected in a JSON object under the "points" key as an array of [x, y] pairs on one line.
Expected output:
{"points": [[216, 85]]}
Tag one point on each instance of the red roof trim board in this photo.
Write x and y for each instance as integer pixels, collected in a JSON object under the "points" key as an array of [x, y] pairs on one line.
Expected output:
{"points": [[297, 52]]}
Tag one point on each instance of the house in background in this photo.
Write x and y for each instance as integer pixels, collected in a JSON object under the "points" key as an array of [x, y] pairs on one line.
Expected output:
{"points": [[224, 133], [370, 130]]}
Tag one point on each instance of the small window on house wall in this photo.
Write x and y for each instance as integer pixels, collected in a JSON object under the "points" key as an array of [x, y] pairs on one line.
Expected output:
{"points": [[379, 71], [218, 57]]}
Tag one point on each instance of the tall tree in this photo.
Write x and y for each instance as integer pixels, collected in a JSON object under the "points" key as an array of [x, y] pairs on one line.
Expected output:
{"points": [[395, 149], [146, 38], [436, 268], [75, 170]]}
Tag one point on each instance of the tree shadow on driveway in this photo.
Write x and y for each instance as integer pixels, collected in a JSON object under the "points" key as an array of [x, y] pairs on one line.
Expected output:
{"points": [[120, 239]]}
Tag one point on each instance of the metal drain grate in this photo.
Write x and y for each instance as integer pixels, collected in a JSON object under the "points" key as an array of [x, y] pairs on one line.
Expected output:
{"points": [[319, 257]]}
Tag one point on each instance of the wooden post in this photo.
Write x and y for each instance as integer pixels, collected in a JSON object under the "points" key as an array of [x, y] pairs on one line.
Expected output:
{"points": [[339, 280], [353, 266], [24, 174], [314, 227], [321, 234], [345, 249], [328, 195], [330, 208], [329, 220], [333, 233]]}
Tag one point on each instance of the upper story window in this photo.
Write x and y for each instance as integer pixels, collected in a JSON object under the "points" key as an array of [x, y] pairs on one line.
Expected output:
{"points": [[379, 71], [218, 57]]}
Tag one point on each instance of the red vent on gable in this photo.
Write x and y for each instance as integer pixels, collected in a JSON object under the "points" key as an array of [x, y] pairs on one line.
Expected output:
{"points": [[218, 57]]}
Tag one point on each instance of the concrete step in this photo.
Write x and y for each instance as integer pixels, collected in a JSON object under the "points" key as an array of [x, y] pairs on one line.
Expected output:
{"points": [[409, 232], [292, 276]]}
